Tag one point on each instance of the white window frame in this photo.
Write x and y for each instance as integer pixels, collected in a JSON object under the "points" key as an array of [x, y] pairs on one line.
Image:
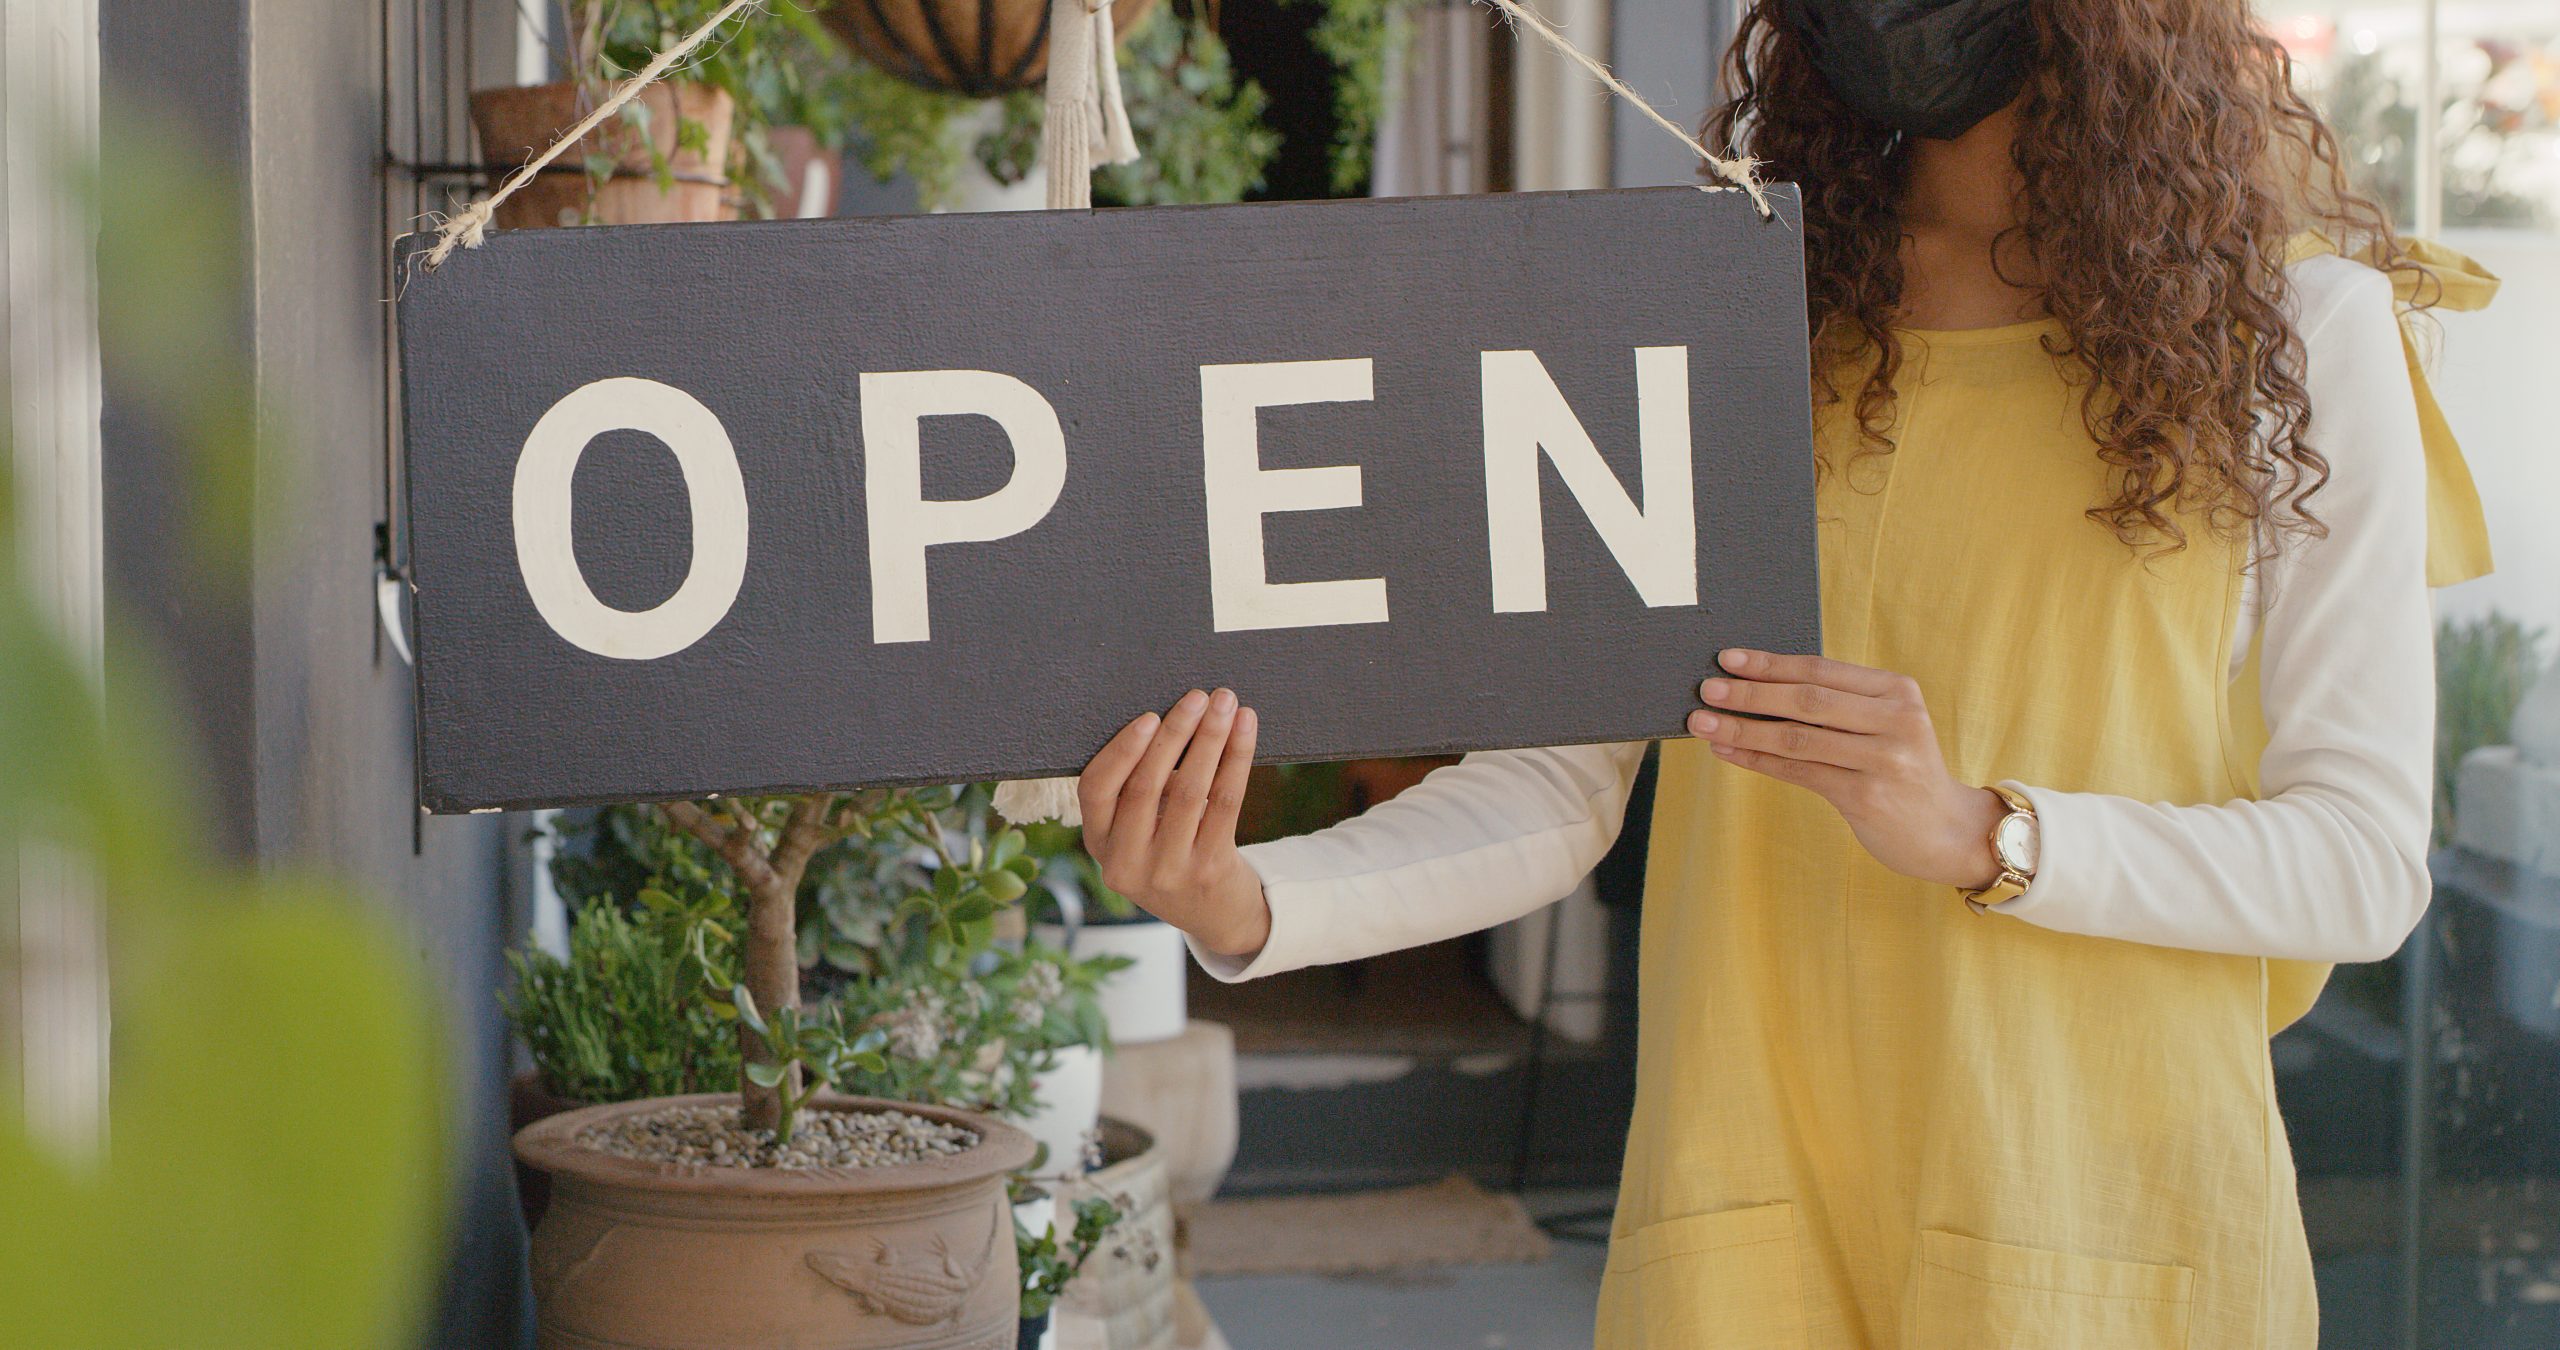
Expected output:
{"points": [[55, 1009]]}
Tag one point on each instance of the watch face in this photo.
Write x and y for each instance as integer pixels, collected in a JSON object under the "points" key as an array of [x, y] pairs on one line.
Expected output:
{"points": [[2015, 841]]}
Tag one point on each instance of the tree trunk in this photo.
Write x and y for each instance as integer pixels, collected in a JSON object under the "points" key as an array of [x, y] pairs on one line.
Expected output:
{"points": [[772, 974]]}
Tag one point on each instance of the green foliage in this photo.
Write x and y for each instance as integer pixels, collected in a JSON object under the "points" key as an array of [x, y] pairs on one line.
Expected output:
{"points": [[639, 1008], [1011, 149], [817, 1043], [892, 127], [275, 1098], [1361, 38], [977, 1041], [1199, 131], [775, 61], [1050, 1264], [914, 998], [2484, 666]]}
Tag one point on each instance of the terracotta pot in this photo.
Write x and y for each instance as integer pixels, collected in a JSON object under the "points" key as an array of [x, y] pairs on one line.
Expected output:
{"points": [[1129, 1285], [528, 1101], [811, 175], [518, 123], [652, 1256], [975, 47]]}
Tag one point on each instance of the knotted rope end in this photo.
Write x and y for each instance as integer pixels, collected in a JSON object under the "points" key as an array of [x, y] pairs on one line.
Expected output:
{"points": [[467, 230]]}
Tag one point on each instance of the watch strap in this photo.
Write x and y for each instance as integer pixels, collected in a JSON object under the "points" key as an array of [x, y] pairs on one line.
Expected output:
{"points": [[2011, 883]]}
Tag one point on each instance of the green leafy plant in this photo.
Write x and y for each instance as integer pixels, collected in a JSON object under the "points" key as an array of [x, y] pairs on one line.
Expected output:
{"points": [[892, 127], [1362, 39], [768, 845], [1199, 130], [1050, 1263], [887, 900], [1011, 148], [978, 1035], [813, 1048], [629, 1012], [2484, 666], [776, 63]]}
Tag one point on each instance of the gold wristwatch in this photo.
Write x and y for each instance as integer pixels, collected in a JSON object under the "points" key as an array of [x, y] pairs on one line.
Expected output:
{"points": [[2014, 844]]}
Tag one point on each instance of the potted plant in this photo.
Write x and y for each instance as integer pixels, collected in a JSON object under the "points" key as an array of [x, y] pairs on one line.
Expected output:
{"points": [[777, 1213], [1131, 1284], [893, 921], [608, 1023], [1050, 1262], [706, 147], [1030, 1011]]}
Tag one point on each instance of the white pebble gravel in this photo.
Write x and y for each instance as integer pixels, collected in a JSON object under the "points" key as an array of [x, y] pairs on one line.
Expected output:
{"points": [[710, 1136]]}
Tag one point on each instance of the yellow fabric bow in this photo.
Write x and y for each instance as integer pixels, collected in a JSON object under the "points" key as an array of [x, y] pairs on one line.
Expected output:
{"points": [[2457, 533]]}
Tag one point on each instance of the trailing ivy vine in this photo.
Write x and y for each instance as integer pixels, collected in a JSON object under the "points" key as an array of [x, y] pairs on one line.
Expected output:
{"points": [[1362, 38], [1199, 129]]}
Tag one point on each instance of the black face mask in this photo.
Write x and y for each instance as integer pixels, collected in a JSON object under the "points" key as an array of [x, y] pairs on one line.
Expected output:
{"points": [[1922, 67]]}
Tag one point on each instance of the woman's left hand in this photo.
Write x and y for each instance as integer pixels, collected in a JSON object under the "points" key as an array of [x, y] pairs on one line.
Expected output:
{"points": [[1861, 739]]}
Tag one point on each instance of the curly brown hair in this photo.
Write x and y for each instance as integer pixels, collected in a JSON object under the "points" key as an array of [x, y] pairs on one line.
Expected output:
{"points": [[2166, 161]]}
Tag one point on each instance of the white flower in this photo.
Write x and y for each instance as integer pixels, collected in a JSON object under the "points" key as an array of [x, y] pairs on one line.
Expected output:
{"points": [[1041, 986]]}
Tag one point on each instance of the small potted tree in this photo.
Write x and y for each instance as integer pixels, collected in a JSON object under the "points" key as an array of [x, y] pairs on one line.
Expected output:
{"points": [[779, 1213]]}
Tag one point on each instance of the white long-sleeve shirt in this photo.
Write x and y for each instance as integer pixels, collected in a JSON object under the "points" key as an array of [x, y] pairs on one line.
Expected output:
{"points": [[2327, 865]]}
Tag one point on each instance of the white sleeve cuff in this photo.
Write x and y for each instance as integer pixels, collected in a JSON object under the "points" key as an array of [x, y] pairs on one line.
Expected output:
{"points": [[1291, 921]]}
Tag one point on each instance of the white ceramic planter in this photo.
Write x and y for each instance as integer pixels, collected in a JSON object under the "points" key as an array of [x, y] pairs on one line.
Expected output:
{"points": [[1146, 1001], [1070, 1107], [972, 187]]}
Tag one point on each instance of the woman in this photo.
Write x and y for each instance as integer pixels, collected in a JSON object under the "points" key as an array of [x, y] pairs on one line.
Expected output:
{"points": [[1957, 981]]}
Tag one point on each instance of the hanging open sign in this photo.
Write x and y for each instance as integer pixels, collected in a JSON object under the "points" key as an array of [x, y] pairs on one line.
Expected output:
{"points": [[764, 507]]}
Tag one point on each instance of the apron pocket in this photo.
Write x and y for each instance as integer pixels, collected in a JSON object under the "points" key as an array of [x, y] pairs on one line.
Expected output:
{"points": [[1976, 1295], [1725, 1281]]}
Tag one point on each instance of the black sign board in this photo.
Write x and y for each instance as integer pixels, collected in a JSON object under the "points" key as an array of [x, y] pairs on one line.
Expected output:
{"points": [[760, 507]]}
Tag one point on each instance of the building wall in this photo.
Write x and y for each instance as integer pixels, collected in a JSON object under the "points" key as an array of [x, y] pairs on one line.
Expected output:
{"points": [[303, 719], [1668, 51]]}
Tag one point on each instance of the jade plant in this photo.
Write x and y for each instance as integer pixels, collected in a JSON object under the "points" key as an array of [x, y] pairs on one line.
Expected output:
{"points": [[768, 844]]}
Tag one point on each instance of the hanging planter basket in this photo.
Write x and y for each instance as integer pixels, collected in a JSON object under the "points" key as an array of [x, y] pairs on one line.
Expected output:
{"points": [[980, 48]]}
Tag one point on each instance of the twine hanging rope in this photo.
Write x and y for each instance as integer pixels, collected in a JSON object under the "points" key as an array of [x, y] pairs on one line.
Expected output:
{"points": [[1739, 171], [472, 225]]}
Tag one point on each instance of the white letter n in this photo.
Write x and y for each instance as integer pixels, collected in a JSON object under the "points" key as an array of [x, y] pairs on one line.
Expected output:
{"points": [[1523, 414]]}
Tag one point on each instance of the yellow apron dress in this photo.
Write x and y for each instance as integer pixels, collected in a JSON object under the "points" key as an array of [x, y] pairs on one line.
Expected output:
{"points": [[1869, 1117]]}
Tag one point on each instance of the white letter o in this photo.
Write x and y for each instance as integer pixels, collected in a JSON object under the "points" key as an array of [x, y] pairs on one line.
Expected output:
{"points": [[715, 494]]}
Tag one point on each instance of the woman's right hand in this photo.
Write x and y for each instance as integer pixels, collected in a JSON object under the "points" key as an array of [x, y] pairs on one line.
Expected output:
{"points": [[1160, 804]]}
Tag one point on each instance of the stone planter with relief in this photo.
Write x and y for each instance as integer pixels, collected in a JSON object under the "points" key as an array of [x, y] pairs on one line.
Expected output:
{"points": [[642, 1255]]}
